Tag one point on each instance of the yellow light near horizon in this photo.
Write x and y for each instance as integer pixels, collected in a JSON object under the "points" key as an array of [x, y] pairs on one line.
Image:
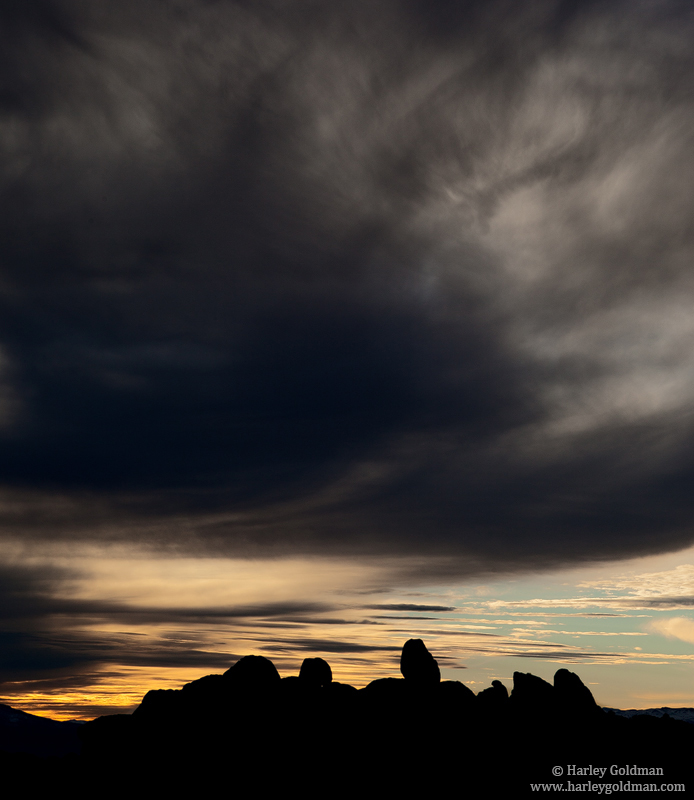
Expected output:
{"points": [[123, 691]]}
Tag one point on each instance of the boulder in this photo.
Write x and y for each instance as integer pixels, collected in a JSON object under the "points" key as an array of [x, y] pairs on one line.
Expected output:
{"points": [[493, 698], [316, 672], [417, 665], [253, 672], [531, 694]]}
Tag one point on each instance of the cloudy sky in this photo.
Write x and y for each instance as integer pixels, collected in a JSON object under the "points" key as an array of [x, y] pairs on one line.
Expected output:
{"points": [[324, 325]]}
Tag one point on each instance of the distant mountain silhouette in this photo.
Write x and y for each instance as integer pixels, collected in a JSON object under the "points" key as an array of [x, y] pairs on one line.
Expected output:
{"points": [[251, 728], [683, 714], [27, 733]]}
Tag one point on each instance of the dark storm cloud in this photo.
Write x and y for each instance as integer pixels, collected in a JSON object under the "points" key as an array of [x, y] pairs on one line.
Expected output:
{"points": [[394, 278]]}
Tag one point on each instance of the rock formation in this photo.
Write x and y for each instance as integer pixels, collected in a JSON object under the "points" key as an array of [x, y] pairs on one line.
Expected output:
{"points": [[250, 728], [417, 664], [316, 672]]}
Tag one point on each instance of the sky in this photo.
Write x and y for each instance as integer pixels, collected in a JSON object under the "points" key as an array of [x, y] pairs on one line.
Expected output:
{"points": [[328, 325]]}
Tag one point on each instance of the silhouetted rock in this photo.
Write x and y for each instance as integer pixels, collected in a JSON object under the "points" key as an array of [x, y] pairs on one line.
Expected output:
{"points": [[417, 664], [316, 672], [572, 695], [532, 694], [160, 704], [455, 694], [389, 737], [110, 735], [384, 690], [253, 672], [340, 692], [493, 698], [204, 689]]}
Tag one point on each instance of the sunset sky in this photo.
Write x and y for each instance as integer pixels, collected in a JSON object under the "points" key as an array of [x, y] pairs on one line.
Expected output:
{"points": [[328, 325]]}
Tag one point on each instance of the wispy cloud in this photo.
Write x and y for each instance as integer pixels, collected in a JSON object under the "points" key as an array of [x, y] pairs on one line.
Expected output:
{"points": [[675, 628]]}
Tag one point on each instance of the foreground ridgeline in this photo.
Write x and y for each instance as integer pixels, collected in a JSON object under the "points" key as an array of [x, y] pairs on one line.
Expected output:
{"points": [[251, 729]]}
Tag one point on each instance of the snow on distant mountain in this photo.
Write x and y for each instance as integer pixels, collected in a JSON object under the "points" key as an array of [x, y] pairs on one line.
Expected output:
{"points": [[683, 714]]}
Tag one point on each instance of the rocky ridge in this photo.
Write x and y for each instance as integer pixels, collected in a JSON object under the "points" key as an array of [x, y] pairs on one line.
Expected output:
{"points": [[416, 730], [250, 727]]}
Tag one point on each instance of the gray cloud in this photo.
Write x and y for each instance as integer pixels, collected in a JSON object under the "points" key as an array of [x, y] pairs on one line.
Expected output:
{"points": [[331, 646], [398, 280], [662, 602], [409, 607]]}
